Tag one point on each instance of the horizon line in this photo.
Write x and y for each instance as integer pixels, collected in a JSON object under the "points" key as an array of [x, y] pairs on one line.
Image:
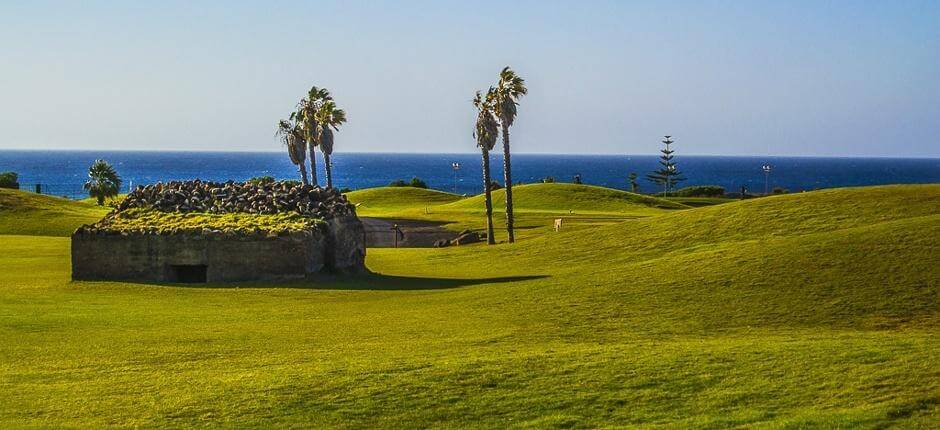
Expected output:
{"points": [[599, 154]]}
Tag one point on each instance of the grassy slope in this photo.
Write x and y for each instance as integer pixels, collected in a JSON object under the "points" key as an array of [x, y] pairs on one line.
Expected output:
{"points": [[819, 309], [563, 197], [391, 200], [536, 206], [36, 214]]}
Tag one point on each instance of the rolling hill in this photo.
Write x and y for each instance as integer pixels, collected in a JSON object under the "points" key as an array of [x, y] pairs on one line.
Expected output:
{"points": [[40, 215], [809, 310]]}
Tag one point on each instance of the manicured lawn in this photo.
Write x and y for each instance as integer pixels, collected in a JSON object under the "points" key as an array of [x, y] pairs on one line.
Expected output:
{"points": [[36, 214], [813, 310]]}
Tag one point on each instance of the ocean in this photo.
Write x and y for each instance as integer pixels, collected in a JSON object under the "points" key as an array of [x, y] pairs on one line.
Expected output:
{"points": [[62, 173]]}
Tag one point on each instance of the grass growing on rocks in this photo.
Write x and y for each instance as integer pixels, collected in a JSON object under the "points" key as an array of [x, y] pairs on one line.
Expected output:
{"points": [[149, 220], [816, 310]]}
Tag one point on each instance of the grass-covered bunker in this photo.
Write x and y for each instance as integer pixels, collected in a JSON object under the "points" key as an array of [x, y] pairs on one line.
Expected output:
{"points": [[221, 232]]}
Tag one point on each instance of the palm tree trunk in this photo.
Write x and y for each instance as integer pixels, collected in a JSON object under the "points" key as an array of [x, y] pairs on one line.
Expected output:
{"points": [[100, 200], [313, 166], [507, 171], [329, 170], [303, 171], [488, 198]]}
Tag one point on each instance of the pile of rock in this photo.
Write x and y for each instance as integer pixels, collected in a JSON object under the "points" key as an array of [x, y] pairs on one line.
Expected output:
{"points": [[463, 238], [242, 197]]}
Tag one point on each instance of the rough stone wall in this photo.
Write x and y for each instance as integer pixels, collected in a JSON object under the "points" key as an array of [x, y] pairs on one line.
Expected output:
{"points": [[346, 245], [102, 255]]}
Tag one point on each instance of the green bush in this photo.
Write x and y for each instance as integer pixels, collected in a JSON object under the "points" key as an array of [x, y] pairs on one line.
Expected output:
{"points": [[9, 180], [258, 180], [415, 182], [548, 180], [779, 190], [701, 191]]}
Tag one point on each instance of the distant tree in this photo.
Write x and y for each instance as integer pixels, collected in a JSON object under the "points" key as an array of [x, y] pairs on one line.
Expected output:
{"points": [[494, 185], [329, 118], [509, 89], [548, 180], [668, 175], [486, 132], [577, 179], [9, 180], [103, 181], [292, 134], [634, 187]]}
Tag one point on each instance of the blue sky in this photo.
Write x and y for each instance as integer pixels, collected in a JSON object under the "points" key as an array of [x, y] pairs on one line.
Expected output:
{"points": [[728, 78]]}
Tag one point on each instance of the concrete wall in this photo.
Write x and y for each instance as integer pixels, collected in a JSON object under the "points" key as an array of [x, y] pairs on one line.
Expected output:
{"points": [[148, 257]]}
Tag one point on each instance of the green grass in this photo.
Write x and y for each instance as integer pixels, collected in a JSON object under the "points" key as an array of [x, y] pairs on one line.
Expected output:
{"points": [[536, 207], [391, 200], [563, 197], [107, 202], [28, 213], [810, 310], [149, 220]]}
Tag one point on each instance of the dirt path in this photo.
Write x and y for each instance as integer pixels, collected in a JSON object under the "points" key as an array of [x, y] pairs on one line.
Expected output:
{"points": [[418, 234]]}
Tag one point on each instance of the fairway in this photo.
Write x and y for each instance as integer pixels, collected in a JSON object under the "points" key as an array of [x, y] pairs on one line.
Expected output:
{"points": [[818, 309]]}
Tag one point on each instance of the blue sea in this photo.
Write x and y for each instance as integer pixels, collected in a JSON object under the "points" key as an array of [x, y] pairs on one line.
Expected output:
{"points": [[62, 173]]}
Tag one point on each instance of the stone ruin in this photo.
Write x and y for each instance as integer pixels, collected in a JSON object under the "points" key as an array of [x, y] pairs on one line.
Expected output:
{"points": [[204, 254]]}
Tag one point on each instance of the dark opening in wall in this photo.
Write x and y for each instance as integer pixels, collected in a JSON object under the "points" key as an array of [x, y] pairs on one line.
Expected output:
{"points": [[188, 273]]}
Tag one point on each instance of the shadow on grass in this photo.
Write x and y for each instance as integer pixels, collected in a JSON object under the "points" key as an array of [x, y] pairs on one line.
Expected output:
{"points": [[366, 282]]}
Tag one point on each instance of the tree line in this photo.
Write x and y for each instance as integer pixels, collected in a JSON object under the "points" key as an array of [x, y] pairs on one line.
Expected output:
{"points": [[311, 126]]}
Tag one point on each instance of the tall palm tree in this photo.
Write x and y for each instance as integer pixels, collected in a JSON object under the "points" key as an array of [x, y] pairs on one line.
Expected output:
{"points": [[306, 111], [328, 116], [291, 133], [486, 132], [103, 181], [508, 91]]}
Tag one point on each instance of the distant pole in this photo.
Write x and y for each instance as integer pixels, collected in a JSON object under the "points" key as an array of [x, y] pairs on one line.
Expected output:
{"points": [[766, 168], [456, 166]]}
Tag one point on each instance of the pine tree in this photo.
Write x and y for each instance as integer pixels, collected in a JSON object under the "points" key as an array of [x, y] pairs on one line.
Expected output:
{"points": [[668, 175]]}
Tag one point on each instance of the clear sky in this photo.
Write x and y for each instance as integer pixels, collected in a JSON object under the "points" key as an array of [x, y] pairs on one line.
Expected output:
{"points": [[728, 78]]}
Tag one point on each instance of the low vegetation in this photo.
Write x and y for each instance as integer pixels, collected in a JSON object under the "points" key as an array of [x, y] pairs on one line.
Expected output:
{"points": [[414, 183], [153, 221], [9, 180], [810, 310]]}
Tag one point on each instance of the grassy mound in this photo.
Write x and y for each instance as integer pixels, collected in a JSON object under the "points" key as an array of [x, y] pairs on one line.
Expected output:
{"points": [[40, 215], [812, 310], [390, 199], [564, 197]]}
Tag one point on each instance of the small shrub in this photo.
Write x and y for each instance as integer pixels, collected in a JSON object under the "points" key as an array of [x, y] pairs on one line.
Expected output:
{"points": [[415, 182], [548, 180], [701, 191], [495, 186], [418, 183], [258, 180], [9, 180], [779, 190]]}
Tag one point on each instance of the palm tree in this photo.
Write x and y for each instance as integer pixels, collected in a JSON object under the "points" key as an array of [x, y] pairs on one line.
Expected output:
{"points": [[486, 133], [291, 133], [103, 181], [306, 111], [328, 116], [508, 91]]}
